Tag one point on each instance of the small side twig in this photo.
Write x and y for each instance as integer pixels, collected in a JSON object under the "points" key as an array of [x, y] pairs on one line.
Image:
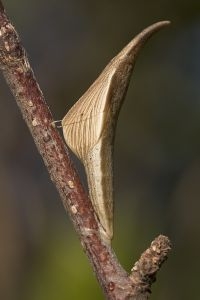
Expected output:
{"points": [[145, 269], [114, 280]]}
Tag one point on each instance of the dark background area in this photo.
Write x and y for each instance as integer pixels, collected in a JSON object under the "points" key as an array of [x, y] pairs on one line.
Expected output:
{"points": [[157, 148]]}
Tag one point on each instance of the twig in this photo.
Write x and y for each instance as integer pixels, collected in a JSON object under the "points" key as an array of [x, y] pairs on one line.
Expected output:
{"points": [[145, 269], [115, 282]]}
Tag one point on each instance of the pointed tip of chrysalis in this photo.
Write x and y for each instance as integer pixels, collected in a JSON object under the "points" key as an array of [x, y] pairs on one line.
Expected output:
{"points": [[131, 50]]}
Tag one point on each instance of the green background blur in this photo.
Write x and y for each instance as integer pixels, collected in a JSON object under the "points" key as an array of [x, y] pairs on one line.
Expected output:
{"points": [[157, 149]]}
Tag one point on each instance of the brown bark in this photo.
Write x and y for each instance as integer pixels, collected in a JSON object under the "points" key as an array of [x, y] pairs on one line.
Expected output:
{"points": [[114, 280]]}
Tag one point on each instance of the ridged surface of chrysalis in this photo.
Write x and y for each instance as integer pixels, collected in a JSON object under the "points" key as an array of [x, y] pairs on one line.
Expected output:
{"points": [[89, 127]]}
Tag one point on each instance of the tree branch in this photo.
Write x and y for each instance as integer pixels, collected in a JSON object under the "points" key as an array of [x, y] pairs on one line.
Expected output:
{"points": [[115, 282]]}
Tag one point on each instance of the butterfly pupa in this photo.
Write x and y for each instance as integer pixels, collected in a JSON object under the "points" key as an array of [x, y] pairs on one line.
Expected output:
{"points": [[89, 127]]}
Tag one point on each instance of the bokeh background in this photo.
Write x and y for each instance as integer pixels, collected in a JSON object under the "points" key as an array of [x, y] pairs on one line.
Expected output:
{"points": [[157, 149]]}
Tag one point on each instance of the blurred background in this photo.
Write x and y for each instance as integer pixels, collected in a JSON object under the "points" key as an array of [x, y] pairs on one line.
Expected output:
{"points": [[157, 148]]}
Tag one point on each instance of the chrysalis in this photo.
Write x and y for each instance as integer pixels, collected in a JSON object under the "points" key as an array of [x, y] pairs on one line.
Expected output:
{"points": [[89, 127]]}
